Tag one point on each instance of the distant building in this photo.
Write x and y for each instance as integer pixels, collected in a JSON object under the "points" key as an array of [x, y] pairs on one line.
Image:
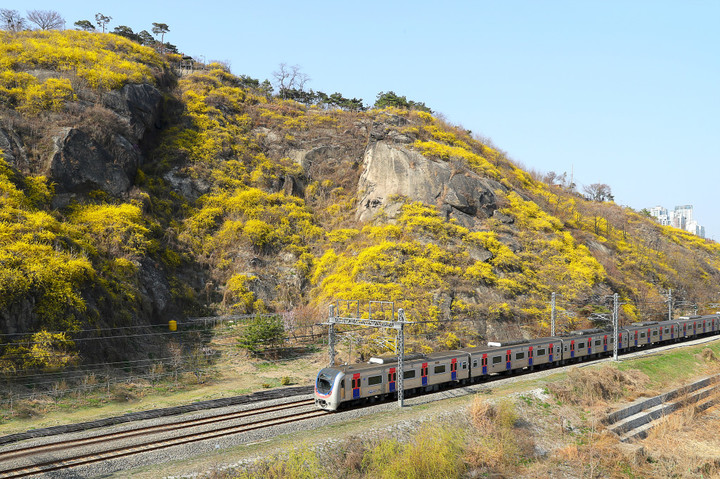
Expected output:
{"points": [[661, 214], [681, 217]]}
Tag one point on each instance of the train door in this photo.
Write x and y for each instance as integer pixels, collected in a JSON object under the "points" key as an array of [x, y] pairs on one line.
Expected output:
{"points": [[453, 369], [661, 333], [484, 363], [551, 352], [356, 385], [392, 377], [342, 389], [684, 329], [636, 336], [589, 351], [649, 336], [572, 348], [605, 343], [530, 356], [424, 373], [508, 363]]}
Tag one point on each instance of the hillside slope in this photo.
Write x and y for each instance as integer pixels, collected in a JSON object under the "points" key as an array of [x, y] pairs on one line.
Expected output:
{"points": [[131, 197]]}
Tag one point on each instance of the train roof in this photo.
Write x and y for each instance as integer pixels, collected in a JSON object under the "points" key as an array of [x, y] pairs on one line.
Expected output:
{"points": [[391, 360]]}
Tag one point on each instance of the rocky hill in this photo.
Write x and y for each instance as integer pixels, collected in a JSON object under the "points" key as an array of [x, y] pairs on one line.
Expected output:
{"points": [[131, 196]]}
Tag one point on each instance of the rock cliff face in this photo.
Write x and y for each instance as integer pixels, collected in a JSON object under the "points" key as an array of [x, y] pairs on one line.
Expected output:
{"points": [[80, 163], [391, 170], [87, 156]]}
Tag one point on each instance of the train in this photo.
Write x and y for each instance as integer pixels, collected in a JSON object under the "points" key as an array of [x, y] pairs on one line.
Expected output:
{"points": [[341, 386]]}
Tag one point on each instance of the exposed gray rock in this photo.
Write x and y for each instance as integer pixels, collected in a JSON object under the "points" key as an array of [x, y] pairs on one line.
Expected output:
{"points": [[190, 188], [155, 287], [307, 158], [503, 218], [392, 170], [80, 165], [141, 104], [13, 150]]}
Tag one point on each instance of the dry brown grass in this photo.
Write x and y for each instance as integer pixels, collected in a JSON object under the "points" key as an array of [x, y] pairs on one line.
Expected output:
{"points": [[684, 444], [499, 444], [590, 386], [708, 355]]}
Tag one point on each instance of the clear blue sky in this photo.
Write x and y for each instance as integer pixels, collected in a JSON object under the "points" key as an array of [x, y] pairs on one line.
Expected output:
{"points": [[622, 92]]}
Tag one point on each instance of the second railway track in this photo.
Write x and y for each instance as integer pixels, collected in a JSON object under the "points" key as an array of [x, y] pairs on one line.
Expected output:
{"points": [[52, 456]]}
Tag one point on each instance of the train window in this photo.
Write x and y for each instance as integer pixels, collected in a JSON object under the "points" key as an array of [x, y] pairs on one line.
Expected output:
{"points": [[667, 330], [464, 366], [519, 355], [440, 369], [409, 374], [342, 384], [642, 335], [474, 363], [541, 352], [597, 342], [497, 359], [373, 380], [581, 345], [325, 382], [654, 333]]}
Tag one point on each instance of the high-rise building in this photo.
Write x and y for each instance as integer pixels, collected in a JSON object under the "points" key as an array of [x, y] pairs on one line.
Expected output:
{"points": [[661, 214], [681, 217]]}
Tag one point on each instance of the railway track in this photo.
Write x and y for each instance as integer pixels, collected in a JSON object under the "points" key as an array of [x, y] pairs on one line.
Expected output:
{"points": [[36, 460]]}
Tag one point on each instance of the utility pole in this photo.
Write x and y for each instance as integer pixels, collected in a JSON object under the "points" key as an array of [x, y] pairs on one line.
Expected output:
{"points": [[398, 325], [552, 315], [670, 304], [616, 320]]}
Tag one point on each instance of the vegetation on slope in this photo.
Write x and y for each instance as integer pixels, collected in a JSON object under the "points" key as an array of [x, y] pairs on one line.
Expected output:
{"points": [[270, 234]]}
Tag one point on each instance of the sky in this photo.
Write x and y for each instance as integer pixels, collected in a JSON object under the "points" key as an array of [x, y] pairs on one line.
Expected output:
{"points": [[625, 93]]}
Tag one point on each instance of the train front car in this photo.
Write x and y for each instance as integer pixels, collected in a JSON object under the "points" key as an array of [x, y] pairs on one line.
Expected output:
{"points": [[328, 388]]}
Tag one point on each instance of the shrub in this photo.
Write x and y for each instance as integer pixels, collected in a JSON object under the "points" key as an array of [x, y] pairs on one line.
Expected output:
{"points": [[435, 452], [261, 332]]}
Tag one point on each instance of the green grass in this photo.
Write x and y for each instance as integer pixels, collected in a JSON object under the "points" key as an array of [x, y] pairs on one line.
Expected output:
{"points": [[672, 366]]}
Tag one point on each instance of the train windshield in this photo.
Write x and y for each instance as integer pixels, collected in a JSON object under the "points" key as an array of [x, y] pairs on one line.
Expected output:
{"points": [[325, 380]]}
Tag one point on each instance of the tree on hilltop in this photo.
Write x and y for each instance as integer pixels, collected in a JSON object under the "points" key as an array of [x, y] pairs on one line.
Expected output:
{"points": [[146, 38], [127, 32], [391, 99], [12, 21], [598, 192], [160, 29], [289, 78], [46, 19], [84, 25], [102, 20]]}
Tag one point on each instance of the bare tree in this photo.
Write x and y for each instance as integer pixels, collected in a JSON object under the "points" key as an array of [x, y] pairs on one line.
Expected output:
{"points": [[598, 192], [46, 19], [289, 78], [102, 20], [11, 20]]}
